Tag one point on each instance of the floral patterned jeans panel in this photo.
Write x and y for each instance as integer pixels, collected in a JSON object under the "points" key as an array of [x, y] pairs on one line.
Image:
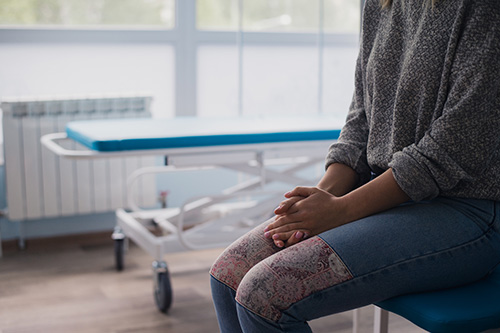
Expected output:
{"points": [[242, 255], [268, 280]]}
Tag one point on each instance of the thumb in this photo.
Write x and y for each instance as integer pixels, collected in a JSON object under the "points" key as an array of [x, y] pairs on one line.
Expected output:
{"points": [[300, 191]]}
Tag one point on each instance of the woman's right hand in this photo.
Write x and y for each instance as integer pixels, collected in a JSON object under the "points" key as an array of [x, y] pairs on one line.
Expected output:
{"points": [[311, 212], [338, 180], [286, 207]]}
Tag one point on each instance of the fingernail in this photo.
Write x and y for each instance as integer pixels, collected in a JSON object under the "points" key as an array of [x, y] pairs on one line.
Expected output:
{"points": [[287, 193], [299, 234], [267, 234], [280, 244], [276, 236], [266, 229], [306, 235]]}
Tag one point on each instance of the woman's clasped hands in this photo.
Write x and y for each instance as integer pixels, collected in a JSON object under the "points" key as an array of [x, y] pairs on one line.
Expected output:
{"points": [[306, 211]]}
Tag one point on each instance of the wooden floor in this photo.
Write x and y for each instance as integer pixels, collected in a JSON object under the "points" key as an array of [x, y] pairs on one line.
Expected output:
{"points": [[69, 284]]}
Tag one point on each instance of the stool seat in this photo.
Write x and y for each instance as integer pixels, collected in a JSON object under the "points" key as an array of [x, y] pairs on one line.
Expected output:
{"points": [[471, 308]]}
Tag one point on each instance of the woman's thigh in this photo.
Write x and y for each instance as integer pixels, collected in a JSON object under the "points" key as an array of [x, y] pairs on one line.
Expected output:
{"points": [[437, 238], [414, 247], [238, 258]]}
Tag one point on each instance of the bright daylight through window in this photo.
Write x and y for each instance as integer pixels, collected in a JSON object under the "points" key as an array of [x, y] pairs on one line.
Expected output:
{"points": [[95, 13], [339, 16], [196, 57]]}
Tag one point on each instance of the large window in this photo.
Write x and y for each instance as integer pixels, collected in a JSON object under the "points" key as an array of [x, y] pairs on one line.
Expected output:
{"points": [[276, 56], [197, 57]]}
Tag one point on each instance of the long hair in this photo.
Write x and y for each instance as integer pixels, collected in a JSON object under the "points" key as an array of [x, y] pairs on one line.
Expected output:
{"points": [[387, 3]]}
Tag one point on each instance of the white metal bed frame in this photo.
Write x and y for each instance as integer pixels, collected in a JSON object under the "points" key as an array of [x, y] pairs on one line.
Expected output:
{"points": [[187, 227]]}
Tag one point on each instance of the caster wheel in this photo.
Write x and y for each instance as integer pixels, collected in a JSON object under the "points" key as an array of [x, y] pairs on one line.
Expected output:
{"points": [[119, 253], [163, 290]]}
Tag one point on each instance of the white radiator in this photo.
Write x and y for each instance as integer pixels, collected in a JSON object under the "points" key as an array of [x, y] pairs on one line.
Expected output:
{"points": [[40, 184]]}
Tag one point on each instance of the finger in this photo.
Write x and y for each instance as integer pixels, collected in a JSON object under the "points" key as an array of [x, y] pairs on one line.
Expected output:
{"points": [[279, 243], [297, 237], [286, 239], [278, 221], [286, 205], [301, 191], [281, 224], [283, 236], [287, 231], [277, 230]]}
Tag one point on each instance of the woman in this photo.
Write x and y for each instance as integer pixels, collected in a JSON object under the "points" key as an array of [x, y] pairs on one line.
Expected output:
{"points": [[409, 198]]}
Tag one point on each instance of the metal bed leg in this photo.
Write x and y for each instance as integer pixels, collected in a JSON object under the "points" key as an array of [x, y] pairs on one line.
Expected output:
{"points": [[21, 242], [119, 241]]}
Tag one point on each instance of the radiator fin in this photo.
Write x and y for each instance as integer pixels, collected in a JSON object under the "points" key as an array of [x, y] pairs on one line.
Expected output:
{"points": [[41, 184]]}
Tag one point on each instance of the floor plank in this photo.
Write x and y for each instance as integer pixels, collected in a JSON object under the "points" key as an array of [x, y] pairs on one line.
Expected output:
{"points": [[69, 284]]}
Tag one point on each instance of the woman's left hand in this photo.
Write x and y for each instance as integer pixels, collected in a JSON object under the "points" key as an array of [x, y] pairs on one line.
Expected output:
{"points": [[308, 211]]}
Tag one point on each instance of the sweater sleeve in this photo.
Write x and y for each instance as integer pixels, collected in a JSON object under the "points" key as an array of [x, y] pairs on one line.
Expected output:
{"points": [[350, 149], [462, 141]]}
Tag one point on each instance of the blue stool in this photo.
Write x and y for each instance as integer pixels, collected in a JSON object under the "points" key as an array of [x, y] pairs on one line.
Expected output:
{"points": [[470, 308]]}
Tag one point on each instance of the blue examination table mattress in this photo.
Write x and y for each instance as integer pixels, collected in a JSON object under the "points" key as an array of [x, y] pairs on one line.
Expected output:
{"points": [[185, 132]]}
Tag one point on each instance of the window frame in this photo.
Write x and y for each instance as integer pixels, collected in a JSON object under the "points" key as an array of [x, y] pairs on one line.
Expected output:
{"points": [[185, 38]]}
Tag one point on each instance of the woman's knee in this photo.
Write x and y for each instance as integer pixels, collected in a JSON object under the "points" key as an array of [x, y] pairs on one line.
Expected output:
{"points": [[290, 276], [241, 256]]}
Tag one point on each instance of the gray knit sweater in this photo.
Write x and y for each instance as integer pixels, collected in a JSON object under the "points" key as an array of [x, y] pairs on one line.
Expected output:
{"points": [[427, 98]]}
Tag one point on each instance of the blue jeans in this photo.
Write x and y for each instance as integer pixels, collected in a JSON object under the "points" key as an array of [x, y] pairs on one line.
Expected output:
{"points": [[442, 243]]}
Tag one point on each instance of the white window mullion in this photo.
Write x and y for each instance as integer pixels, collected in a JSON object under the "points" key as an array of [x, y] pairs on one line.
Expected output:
{"points": [[321, 42], [240, 42], [186, 59], [277, 38]]}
